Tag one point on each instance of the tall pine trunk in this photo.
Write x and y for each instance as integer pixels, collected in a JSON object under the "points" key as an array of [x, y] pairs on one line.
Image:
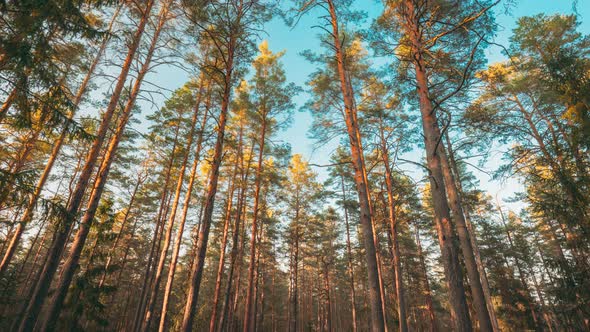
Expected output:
{"points": [[399, 285], [180, 230], [155, 286], [377, 315], [442, 216], [203, 236], [248, 319], [39, 294]]}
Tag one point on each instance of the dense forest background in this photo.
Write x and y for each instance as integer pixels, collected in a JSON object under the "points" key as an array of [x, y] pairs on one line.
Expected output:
{"points": [[303, 165]]}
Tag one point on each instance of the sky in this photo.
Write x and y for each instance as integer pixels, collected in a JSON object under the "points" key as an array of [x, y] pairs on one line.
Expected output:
{"points": [[304, 36]]}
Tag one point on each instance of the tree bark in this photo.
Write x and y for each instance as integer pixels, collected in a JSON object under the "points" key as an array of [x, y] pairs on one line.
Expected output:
{"points": [[41, 289], [377, 315], [442, 217]]}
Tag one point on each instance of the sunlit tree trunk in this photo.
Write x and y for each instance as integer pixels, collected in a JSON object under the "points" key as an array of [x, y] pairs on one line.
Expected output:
{"points": [[41, 289], [203, 236], [377, 315], [432, 138]]}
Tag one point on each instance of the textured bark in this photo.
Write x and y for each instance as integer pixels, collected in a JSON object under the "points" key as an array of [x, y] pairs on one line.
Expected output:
{"points": [[377, 315], [442, 217], [41, 289]]}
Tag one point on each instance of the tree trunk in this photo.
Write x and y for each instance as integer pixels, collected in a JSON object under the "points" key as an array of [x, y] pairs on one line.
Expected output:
{"points": [[350, 258], [377, 315], [41, 289], [71, 262], [180, 230], [220, 266], [248, 320], [482, 272], [399, 286], [432, 137], [203, 237], [477, 293], [428, 293]]}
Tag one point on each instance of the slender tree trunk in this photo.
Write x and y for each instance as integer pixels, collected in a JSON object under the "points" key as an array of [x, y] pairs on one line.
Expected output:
{"points": [[399, 287], [471, 232], [350, 258], [377, 315], [71, 262], [477, 293], [203, 237], [180, 231], [220, 266], [236, 230], [41, 289], [294, 274], [248, 319], [155, 239], [432, 137]]}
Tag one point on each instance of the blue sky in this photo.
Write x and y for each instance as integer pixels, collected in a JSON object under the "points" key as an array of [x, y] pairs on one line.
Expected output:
{"points": [[304, 36]]}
